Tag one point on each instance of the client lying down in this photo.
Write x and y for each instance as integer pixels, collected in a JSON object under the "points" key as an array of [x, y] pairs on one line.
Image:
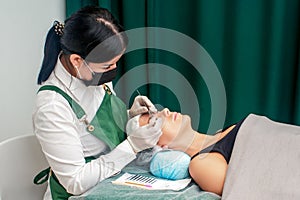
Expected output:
{"points": [[209, 154], [254, 152]]}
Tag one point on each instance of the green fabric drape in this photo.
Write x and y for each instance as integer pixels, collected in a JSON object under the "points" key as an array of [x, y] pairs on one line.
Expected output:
{"points": [[255, 45]]}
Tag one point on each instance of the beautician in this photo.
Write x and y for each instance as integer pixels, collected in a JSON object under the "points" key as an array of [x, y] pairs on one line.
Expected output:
{"points": [[78, 120]]}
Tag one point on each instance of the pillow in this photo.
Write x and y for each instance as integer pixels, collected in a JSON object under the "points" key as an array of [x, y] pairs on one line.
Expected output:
{"points": [[170, 164]]}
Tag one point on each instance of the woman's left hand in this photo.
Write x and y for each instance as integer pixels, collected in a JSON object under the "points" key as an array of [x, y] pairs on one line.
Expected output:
{"points": [[141, 105]]}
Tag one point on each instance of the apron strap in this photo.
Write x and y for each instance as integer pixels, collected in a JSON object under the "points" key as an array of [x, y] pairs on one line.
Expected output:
{"points": [[42, 177], [75, 106]]}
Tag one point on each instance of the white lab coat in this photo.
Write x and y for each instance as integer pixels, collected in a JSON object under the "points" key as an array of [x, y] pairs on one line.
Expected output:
{"points": [[64, 139]]}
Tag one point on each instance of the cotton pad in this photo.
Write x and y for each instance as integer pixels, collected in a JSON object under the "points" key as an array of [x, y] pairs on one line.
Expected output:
{"points": [[170, 164]]}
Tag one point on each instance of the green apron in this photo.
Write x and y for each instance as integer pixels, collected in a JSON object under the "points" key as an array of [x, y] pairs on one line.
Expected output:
{"points": [[107, 125]]}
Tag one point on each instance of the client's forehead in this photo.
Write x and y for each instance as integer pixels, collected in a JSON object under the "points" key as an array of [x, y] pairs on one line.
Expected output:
{"points": [[144, 119]]}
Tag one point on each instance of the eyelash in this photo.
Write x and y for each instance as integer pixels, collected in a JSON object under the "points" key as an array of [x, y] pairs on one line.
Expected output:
{"points": [[106, 68], [150, 117]]}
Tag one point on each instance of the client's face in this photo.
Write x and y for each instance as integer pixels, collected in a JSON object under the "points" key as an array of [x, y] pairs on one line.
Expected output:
{"points": [[173, 124]]}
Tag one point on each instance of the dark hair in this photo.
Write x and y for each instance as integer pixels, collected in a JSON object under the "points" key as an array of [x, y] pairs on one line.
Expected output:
{"points": [[92, 32]]}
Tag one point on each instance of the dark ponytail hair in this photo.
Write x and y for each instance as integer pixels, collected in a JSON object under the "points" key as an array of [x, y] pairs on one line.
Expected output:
{"points": [[51, 51], [92, 32]]}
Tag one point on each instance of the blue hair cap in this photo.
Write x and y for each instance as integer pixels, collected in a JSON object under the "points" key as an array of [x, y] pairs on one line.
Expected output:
{"points": [[170, 164]]}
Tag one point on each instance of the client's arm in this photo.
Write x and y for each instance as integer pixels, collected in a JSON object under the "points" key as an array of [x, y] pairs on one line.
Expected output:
{"points": [[209, 169]]}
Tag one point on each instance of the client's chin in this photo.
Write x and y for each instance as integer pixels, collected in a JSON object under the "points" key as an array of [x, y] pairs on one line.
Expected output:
{"points": [[185, 135]]}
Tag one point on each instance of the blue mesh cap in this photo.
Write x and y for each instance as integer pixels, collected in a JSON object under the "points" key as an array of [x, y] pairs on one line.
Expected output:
{"points": [[170, 164]]}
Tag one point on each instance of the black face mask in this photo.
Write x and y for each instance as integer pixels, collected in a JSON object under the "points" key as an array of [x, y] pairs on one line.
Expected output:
{"points": [[100, 78]]}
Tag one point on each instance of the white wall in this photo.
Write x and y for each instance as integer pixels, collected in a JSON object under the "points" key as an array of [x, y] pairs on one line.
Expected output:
{"points": [[24, 25]]}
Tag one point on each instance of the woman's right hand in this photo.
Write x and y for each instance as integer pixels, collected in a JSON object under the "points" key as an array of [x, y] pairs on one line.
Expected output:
{"points": [[146, 136], [141, 104]]}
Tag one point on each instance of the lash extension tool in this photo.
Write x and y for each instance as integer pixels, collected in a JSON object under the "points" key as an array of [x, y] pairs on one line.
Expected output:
{"points": [[149, 111]]}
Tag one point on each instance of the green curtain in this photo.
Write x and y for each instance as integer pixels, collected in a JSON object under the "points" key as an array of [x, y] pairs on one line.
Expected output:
{"points": [[254, 45]]}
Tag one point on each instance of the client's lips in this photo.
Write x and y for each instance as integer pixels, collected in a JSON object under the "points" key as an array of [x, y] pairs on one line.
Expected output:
{"points": [[175, 116]]}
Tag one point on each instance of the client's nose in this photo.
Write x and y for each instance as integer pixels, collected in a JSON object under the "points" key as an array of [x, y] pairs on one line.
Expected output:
{"points": [[166, 112]]}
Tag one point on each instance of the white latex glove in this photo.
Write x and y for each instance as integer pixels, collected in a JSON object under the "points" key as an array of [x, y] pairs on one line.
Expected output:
{"points": [[141, 105], [146, 136]]}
